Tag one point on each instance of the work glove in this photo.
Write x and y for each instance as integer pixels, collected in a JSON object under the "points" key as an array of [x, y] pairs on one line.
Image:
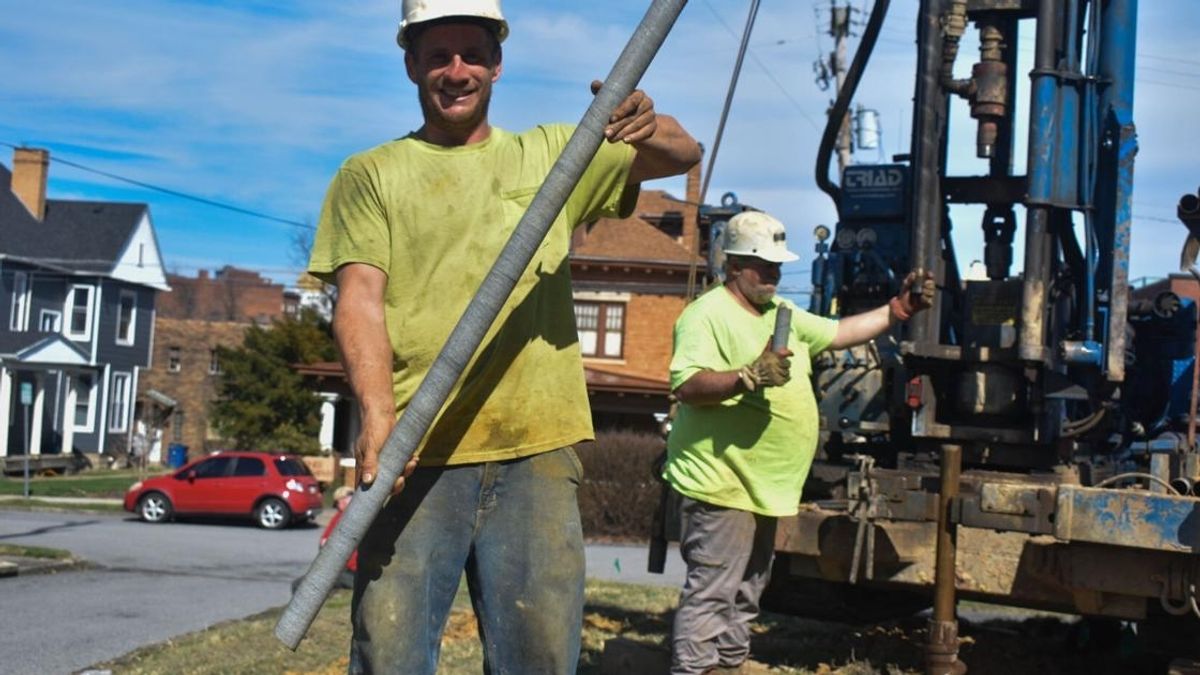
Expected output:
{"points": [[769, 370], [916, 294]]}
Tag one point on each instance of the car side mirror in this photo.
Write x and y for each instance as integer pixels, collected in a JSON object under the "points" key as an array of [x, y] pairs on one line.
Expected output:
{"points": [[191, 476]]}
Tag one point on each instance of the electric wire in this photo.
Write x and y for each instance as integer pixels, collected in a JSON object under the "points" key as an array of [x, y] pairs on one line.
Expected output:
{"points": [[174, 193]]}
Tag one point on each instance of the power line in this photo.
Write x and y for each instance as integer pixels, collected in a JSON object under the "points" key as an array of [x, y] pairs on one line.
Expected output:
{"points": [[174, 193], [771, 76]]}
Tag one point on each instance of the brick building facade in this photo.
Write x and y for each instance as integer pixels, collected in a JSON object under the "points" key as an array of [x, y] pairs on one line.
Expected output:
{"points": [[631, 282], [200, 314], [185, 371]]}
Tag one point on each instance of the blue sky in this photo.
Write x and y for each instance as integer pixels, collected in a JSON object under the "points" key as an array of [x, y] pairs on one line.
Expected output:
{"points": [[249, 104]]}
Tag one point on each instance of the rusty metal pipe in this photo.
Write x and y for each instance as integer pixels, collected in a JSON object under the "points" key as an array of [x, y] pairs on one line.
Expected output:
{"points": [[941, 653], [467, 335]]}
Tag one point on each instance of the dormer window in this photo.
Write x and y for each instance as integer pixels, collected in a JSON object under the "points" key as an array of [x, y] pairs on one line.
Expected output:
{"points": [[79, 312]]}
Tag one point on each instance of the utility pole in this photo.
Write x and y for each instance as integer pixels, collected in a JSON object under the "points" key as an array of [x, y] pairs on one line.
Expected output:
{"points": [[839, 29]]}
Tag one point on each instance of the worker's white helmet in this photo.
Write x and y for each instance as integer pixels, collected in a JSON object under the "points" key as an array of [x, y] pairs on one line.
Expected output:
{"points": [[420, 11], [757, 234]]}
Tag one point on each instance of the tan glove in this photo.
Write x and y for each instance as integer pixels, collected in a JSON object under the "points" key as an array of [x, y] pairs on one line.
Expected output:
{"points": [[916, 294], [768, 370]]}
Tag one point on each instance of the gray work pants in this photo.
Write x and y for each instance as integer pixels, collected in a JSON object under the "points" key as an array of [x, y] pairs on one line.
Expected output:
{"points": [[728, 554]]}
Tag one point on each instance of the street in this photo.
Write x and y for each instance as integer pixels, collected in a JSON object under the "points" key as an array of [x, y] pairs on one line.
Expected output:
{"points": [[149, 583]]}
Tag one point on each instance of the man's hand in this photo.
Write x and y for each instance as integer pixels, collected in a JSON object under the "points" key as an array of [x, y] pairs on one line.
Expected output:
{"points": [[916, 294], [366, 452], [633, 121], [770, 369]]}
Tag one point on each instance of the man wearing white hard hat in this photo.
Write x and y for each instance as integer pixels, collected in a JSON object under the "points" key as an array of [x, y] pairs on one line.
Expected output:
{"points": [[408, 231], [745, 433]]}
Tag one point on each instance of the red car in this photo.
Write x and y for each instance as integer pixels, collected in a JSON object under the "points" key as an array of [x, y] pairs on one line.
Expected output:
{"points": [[275, 490]]}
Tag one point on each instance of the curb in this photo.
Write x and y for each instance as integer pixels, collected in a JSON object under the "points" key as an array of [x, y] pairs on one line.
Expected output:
{"points": [[19, 566]]}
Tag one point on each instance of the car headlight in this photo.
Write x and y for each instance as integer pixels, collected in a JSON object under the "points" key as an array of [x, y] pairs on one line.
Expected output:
{"points": [[136, 486], [294, 485]]}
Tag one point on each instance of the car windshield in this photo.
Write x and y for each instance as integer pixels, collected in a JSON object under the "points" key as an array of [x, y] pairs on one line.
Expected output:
{"points": [[291, 467]]}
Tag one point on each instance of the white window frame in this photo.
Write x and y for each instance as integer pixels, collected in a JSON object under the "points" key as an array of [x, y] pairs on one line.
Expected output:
{"points": [[127, 340], [174, 359], [22, 294], [214, 362], [118, 404], [91, 392], [56, 323], [69, 312]]}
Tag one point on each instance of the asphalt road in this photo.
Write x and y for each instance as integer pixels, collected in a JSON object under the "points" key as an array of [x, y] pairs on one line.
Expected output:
{"points": [[149, 583]]}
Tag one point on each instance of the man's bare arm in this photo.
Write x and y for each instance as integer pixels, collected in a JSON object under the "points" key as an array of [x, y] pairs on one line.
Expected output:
{"points": [[361, 333], [664, 148], [710, 387]]}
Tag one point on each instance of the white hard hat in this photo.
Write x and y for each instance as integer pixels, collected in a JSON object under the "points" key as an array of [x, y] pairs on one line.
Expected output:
{"points": [[420, 11], [757, 234]]}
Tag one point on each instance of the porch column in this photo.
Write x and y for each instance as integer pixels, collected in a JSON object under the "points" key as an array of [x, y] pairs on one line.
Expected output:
{"points": [[328, 409], [39, 407], [68, 415], [6, 409]]}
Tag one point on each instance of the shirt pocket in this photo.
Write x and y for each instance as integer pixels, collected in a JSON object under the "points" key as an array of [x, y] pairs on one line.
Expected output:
{"points": [[516, 202]]}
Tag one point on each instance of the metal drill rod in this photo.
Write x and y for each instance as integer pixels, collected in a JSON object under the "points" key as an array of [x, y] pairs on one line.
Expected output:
{"points": [[783, 328], [467, 335], [941, 651]]}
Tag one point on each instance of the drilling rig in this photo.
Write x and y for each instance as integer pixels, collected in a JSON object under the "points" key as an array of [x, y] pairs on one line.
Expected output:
{"points": [[1031, 439]]}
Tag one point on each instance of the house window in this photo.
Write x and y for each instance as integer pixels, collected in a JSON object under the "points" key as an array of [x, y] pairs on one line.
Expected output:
{"points": [[85, 394], [214, 362], [118, 404], [177, 426], [50, 321], [126, 317], [174, 360], [18, 320], [601, 327], [79, 312]]}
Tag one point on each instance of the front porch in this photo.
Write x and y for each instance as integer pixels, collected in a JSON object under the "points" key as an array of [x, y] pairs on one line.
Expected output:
{"points": [[48, 402]]}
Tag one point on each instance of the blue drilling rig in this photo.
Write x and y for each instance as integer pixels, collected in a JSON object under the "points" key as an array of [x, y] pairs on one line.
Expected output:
{"points": [[1030, 440]]}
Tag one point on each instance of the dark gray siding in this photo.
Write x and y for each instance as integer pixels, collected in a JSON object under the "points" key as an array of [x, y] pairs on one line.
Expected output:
{"points": [[124, 357]]}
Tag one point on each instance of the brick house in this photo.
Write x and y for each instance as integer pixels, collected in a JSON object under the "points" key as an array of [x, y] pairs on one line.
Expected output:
{"points": [[631, 282], [78, 283], [200, 314]]}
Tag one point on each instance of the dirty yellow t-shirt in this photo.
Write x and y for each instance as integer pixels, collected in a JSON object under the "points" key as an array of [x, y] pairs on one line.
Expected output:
{"points": [[435, 219], [752, 451]]}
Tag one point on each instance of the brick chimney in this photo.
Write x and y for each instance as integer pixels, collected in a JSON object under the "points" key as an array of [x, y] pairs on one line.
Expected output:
{"points": [[30, 169], [691, 210]]}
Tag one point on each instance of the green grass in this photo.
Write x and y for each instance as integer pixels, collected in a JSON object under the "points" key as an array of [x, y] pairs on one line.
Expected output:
{"points": [[100, 484], [34, 552]]}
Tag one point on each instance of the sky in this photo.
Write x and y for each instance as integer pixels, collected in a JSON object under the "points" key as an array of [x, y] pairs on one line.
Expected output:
{"points": [[254, 104]]}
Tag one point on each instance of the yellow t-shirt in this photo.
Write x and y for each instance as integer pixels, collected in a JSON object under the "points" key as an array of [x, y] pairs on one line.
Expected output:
{"points": [[752, 451], [435, 219]]}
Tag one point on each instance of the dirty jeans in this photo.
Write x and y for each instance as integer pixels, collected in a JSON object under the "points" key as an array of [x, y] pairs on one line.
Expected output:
{"points": [[728, 554], [513, 527]]}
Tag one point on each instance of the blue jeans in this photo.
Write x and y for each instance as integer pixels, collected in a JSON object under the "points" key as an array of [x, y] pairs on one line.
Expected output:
{"points": [[514, 528]]}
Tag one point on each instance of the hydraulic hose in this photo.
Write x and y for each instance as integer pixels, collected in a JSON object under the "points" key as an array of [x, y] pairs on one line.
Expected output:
{"points": [[833, 123], [467, 335]]}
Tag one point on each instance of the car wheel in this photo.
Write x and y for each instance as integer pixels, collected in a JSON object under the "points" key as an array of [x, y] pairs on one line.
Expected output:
{"points": [[273, 514], [155, 508]]}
